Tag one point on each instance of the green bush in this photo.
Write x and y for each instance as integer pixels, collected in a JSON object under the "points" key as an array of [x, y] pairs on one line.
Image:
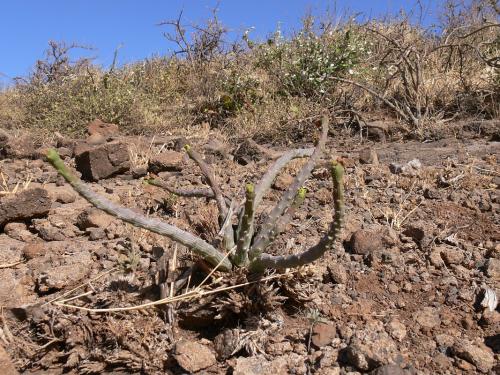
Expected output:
{"points": [[239, 90], [70, 102], [305, 64], [393, 66]]}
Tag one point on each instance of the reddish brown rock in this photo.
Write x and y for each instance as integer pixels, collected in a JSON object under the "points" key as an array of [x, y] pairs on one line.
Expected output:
{"points": [[421, 232], [451, 255], [371, 240], [25, 205], [64, 142], [391, 369], [283, 182], [323, 334], [324, 196], [337, 273], [193, 356], [6, 363], [16, 147], [96, 139], [479, 355], [259, 365], [102, 161], [60, 264], [492, 269], [62, 194], [93, 218], [15, 283], [226, 342], [54, 228], [396, 329], [368, 156], [371, 347], [490, 318], [428, 317], [65, 152], [33, 250], [18, 231], [366, 241], [100, 127], [168, 161]]}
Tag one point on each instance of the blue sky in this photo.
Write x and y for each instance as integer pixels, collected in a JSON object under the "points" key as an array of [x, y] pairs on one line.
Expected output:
{"points": [[27, 25]]}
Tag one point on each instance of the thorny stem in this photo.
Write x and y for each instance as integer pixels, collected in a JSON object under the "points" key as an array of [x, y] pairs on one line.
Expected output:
{"points": [[219, 197], [196, 244], [326, 243], [281, 223], [289, 195], [246, 231], [195, 193]]}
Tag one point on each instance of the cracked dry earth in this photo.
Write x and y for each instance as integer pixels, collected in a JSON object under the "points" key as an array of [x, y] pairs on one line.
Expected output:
{"points": [[410, 289]]}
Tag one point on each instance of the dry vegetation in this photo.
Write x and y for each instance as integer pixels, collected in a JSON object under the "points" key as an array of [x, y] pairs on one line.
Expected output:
{"points": [[390, 68], [410, 286]]}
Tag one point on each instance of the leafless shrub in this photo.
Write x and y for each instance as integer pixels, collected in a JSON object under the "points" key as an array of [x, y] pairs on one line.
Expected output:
{"points": [[198, 43], [57, 63], [269, 89], [424, 77]]}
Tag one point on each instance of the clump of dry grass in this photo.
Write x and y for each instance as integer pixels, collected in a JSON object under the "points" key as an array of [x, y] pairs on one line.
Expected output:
{"points": [[264, 89]]}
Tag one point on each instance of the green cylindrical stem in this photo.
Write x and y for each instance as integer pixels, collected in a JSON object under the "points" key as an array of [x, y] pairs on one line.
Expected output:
{"points": [[337, 172], [289, 195], [246, 230], [271, 261], [219, 197], [280, 224], [267, 180], [196, 244], [58, 164]]}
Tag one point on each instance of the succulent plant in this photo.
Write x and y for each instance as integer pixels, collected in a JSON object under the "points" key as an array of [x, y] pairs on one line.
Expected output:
{"points": [[248, 247]]}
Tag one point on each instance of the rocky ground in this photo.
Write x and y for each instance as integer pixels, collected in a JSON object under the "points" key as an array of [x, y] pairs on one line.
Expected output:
{"points": [[412, 287]]}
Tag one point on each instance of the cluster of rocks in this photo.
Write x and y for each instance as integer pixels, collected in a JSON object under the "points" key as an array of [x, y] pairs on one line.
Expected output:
{"points": [[397, 297]]}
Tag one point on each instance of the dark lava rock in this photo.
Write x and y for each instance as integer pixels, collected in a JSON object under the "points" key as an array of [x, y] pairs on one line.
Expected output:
{"points": [[168, 161], [25, 205], [102, 161]]}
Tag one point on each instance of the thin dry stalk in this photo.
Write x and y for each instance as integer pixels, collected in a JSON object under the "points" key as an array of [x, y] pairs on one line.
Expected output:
{"points": [[9, 265], [193, 294]]}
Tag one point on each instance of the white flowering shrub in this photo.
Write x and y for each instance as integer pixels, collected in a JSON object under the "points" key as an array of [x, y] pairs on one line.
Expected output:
{"points": [[305, 64], [240, 89]]}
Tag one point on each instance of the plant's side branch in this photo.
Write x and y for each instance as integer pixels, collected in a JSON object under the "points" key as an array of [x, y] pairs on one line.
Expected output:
{"points": [[282, 222], [488, 25], [290, 194], [246, 231], [191, 193], [267, 180], [264, 261], [196, 244], [209, 174], [219, 198]]}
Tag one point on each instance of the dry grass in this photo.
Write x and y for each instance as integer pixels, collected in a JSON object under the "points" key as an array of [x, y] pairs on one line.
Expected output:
{"points": [[9, 189], [273, 90]]}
